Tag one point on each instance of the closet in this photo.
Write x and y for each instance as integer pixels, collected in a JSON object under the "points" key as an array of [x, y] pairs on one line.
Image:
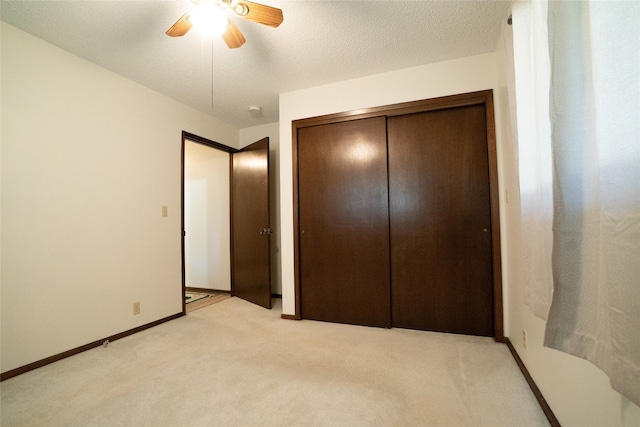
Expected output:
{"points": [[397, 217]]}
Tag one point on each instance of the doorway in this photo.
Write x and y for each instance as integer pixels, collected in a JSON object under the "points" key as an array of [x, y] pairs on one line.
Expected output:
{"points": [[225, 219], [207, 224], [206, 217]]}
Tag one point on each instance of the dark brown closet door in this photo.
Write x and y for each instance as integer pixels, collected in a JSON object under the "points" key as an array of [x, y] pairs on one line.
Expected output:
{"points": [[344, 223], [440, 221]]}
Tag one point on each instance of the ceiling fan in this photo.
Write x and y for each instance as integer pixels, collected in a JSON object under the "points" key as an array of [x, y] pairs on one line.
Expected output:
{"points": [[209, 15]]}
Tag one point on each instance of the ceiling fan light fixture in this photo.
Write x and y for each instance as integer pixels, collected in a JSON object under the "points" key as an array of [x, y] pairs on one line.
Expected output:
{"points": [[209, 20]]}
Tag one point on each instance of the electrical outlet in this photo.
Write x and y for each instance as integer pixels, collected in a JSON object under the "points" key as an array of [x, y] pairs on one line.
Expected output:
{"points": [[136, 308], [165, 211], [524, 339]]}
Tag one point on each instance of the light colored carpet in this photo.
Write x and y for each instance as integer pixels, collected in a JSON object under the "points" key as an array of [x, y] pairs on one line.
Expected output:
{"points": [[237, 364]]}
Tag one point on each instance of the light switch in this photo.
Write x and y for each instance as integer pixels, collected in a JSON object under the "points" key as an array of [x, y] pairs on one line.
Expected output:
{"points": [[164, 211]]}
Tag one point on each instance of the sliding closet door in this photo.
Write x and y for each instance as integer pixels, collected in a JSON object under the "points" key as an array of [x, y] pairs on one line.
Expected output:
{"points": [[344, 223], [440, 221]]}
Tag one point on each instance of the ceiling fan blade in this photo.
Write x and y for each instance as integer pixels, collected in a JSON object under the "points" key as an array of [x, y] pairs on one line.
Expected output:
{"points": [[260, 13], [232, 36], [181, 27]]}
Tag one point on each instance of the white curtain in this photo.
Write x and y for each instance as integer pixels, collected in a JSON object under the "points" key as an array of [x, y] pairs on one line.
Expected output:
{"points": [[595, 117], [533, 135]]}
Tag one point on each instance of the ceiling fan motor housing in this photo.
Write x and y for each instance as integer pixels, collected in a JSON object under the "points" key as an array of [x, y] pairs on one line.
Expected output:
{"points": [[241, 9]]}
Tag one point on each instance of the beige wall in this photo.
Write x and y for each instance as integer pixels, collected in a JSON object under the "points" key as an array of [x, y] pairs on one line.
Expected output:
{"points": [[88, 160]]}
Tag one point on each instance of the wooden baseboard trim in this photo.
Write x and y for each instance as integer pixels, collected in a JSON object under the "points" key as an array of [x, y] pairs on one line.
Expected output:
{"points": [[205, 290], [40, 363], [534, 388], [289, 317]]}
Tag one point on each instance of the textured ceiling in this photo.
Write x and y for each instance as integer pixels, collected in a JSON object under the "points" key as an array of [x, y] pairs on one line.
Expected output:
{"points": [[319, 42]]}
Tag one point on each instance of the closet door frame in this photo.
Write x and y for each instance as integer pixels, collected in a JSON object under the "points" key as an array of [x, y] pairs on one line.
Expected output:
{"points": [[485, 98]]}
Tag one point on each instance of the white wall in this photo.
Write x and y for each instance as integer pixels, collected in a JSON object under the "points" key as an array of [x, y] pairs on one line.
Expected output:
{"points": [[249, 136], [207, 217], [427, 81], [88, 160]]}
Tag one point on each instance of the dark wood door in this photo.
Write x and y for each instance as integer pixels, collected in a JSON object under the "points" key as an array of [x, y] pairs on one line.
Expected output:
{"points": [[344, 223], [440, 221], [251, 255]]}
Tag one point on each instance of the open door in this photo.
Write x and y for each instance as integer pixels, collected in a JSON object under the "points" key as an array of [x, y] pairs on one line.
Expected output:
{"points": [[251, 232]]}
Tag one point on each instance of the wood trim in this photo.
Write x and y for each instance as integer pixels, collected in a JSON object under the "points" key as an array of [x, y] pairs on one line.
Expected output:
{"points": [[205, 290], [289, 317], [494, 194], [296, 225], [461, 100], [204, 141], [183, 271], [48, 360], [532, 384], [231, 250], [484, 97]]}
